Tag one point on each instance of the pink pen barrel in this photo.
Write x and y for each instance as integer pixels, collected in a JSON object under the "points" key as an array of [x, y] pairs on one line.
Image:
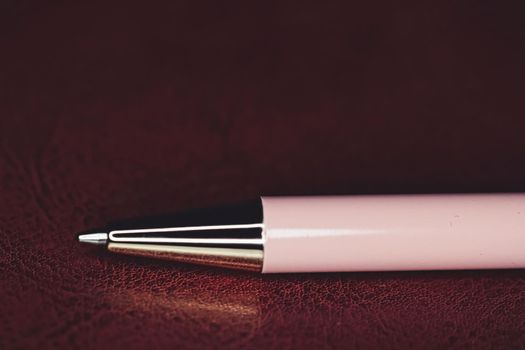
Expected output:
{"points": [[393, 232]]}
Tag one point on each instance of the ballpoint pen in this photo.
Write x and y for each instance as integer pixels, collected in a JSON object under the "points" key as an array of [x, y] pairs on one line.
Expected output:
{"points": [[335, 233]]}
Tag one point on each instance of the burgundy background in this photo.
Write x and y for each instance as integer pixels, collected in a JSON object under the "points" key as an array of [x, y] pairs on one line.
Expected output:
{"points": [[116, 109]]}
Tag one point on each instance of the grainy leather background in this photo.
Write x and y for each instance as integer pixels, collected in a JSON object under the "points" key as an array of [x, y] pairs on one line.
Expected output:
{"points": [[115, 109]]}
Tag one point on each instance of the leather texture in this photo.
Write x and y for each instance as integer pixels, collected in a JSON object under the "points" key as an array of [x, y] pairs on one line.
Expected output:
{"points": [[116, 109]]}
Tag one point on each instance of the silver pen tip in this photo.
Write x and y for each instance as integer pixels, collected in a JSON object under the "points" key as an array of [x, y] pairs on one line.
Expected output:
{"points": [[93, 238]]}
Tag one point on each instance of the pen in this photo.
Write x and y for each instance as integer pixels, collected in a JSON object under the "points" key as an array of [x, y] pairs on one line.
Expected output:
{"points": [[334, 233]]}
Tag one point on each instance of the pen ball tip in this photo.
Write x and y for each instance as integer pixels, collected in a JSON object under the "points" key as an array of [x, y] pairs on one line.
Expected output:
{"points": [[99, 238]]}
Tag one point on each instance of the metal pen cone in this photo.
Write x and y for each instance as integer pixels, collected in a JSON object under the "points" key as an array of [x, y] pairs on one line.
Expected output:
{"points": [[228, 236], [234, 246]]}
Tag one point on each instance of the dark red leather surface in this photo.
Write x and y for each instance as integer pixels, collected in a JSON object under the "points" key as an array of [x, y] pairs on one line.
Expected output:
{"points": [[114, 109]]}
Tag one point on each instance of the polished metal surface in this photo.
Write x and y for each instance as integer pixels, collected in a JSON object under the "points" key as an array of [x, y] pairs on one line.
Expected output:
{"points": [[230, 237], [235, 258], [217, 234], [231, 246]]}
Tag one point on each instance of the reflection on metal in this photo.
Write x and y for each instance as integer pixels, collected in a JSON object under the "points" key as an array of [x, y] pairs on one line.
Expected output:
{"points": [[238, 246], [235, 258], [216, 234]]}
